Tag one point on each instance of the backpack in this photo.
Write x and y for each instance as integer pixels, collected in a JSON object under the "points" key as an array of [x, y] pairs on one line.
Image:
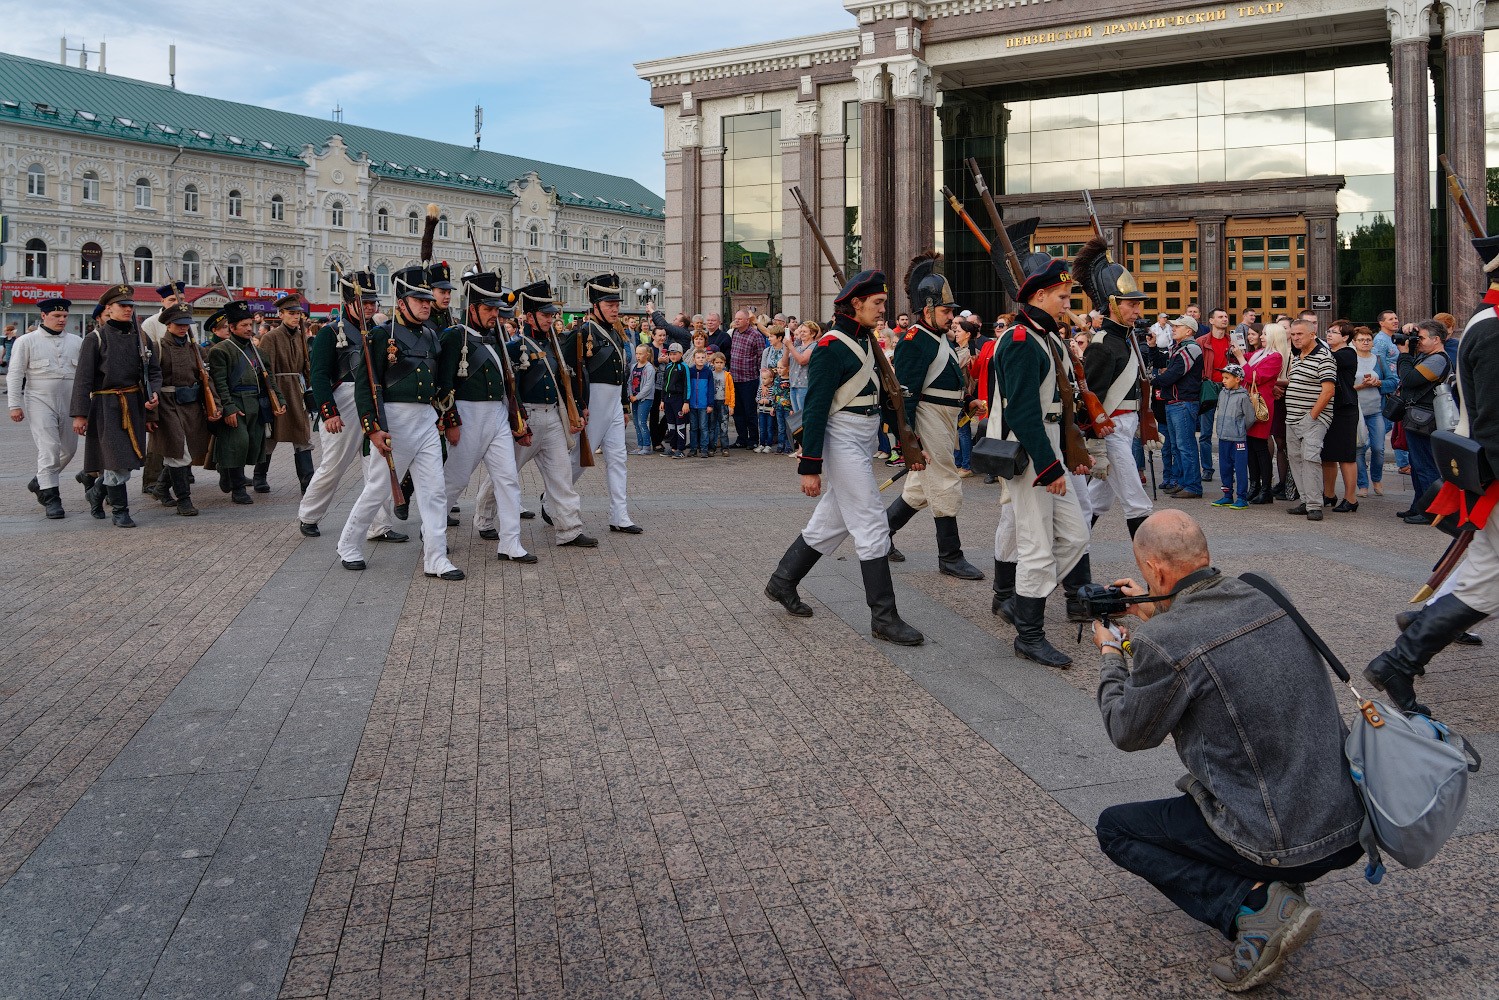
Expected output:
{"points": [[1411, 771]]}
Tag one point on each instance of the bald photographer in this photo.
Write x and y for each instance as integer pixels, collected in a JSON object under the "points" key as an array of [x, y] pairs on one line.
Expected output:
{"points": [[1268, 804]]}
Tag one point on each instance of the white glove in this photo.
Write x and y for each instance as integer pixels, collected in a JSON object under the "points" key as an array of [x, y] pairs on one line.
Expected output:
{"points": [[1153, 446], [1099, 451]]}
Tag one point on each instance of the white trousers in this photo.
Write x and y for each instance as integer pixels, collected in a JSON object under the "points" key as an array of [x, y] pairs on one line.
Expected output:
{"points": [[938, 484], [485, 439], [413, 435], [1478, 575], [337, 453], [606, 426], [48, 402], [1004, 533], [850, 502], [1049, 533], [1124, 478], [549, 448]]}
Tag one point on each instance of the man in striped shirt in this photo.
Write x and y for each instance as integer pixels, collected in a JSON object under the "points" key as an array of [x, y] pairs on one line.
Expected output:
{"points": [[1313, 379]]}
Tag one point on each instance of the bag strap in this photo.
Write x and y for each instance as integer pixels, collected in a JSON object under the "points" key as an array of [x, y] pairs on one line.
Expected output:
{"points": [[1270, 590]]}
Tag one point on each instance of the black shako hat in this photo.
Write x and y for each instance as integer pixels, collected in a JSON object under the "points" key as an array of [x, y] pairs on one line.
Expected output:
{"points": [[361, 281], [485, 289], [925, 285], [440, 275], [53, 304], [411, 283], [1042, 271], [237, 311], [861, 285], [536, 298], [1488, 250], [603, 288]]}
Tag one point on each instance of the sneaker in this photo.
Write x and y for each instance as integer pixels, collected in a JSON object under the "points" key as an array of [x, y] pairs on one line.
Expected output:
{"points": [[1186, 495], [964, 473], [1224, 501], [1240, 504], [882, 454], [1266, 938]]}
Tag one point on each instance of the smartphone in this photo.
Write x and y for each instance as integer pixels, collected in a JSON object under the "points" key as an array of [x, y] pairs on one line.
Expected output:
{"points": [[1236, 336]]}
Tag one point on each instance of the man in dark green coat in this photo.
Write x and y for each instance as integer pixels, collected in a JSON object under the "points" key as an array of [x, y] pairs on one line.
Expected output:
{"points": [[239, 381]]}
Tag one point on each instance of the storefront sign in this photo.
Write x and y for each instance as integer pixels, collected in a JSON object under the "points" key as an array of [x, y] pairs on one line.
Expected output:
{"points": [[1146, 25], [1321, 302], [27, 294]]}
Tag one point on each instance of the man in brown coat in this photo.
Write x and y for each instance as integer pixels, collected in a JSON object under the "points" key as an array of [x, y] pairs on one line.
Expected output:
{"points": [[182, 435], [284, 348]]}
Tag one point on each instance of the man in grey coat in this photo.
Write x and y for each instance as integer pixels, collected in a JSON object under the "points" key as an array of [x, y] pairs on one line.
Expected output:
{"points": [[1268, 803]]}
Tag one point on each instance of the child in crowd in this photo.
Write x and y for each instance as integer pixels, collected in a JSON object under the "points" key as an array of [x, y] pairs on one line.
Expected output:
{"points": [[700, 390], [673, 405], [783, 406], [1235, 417], [765, 406], [642, 395], [723, 396]]}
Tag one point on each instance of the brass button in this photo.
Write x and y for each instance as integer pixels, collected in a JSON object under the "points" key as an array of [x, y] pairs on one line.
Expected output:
{"points": [[1274, 862]]}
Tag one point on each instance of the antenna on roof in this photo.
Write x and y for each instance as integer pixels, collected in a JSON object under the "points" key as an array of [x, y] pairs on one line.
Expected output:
{"points": [[172, 64], [478, 123], [83, 53], [338, 113]]}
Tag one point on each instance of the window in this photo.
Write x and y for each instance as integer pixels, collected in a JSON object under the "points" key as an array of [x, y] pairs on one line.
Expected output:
{"points": [[497, 232], [91, 186], [36, 259], [604, 244], [562, 240], [332, 280], [442, 226], [660, 250], [642, 248], [382, 279], [276, 273], [190, 198], [413, 224], [278, 208], [534, 235], [192, 267], [336, 215], [584, 238], [234, 272], [142, 273], [90, 263], [236, 205], [382, 220], [142, 192], [36, 180]]}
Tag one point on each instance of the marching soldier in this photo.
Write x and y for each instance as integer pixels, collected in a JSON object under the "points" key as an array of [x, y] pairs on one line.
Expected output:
{"points": [[840, 425], [1050, 534], [537, 372], [927, 367], [336, 363], [39, 384], [1112, 365], [440, 280], [399, 419], [472, 364], [114, 402], [171, 297], [154, 479], [605, 356], [182, 435], [241, 383], [284, 348]]}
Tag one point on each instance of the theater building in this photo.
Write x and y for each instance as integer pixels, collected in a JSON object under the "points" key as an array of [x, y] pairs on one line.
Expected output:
{"points": [[1274, 156]]}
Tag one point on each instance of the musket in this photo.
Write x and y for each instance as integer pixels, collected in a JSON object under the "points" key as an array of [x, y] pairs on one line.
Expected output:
{"points": [[910, 443], [211, 408], [1459, 195], [1074, 450], [140, 335], [1148, 430], [565, 385], [1456, 549], [369, 373], [517, 409], [893, 480]]}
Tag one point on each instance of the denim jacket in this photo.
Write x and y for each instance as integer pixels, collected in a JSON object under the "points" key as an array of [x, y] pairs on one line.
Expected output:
{"points": [[1252, 711]]}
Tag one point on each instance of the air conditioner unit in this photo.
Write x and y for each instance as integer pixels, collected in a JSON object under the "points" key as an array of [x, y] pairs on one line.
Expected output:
{"points": [[577, 275], [299, 279]]}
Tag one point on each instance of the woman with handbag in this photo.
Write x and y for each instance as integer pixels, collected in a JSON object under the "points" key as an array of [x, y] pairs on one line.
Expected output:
{"points": [[1266, 360], [1375, 380], [1422, 366], [1340, 449]]}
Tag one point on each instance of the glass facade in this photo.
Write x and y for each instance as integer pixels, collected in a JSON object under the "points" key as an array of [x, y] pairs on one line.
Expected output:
{"points": [[1491, 125], [752, 207], [852, 175]]}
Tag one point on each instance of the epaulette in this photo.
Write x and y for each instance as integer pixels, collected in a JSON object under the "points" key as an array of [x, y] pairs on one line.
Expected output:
{"points": [[827, 339], [912, 334], [1017, 334]]}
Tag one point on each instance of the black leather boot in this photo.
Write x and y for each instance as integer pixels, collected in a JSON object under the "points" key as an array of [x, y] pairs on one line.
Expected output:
{"points": [[1030, 638], [120, 502], [305, 468], [95, 496], [408, 488], [239, 494], [261, 468], [795, 564], [1077, 576], [879, 593], [950, 552], [226, 480], [897, 515], [161, 489], [184, 492], [52, 501], [1394, 671], [1004, 588], [1408, 618], [1134, 523]]}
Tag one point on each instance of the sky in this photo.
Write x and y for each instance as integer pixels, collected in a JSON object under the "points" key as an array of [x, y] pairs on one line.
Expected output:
{"points": [[557, 81]]}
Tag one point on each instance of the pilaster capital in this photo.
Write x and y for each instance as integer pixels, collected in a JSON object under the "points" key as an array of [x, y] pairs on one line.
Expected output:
{"points": [[806, 118], [871, 80], [1462, 17], [910, 79], [687, 132], [1410, 20]]}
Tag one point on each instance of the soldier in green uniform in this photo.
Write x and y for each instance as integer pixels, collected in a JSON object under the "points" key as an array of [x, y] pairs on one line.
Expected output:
{"points": [[927, 368], [840, 426], [239, 381], [440, 281]]}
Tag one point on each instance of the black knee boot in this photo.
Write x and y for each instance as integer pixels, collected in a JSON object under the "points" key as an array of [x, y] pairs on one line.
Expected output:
{"points": [[879, 593], [184, 491], [1004, 588], [1077, 576], [161, 489], [120, 502], [403, 510], [950, 551], [897, 515], [94, 493], [1030, 637], [239, 494], [303, 460], [1134, 523], [795, 564], [261, 468], [1395, 670]]}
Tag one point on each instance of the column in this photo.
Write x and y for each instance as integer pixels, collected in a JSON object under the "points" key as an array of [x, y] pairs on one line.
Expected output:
{"points": [[710, 221], [691, 215], [875, 137], [810, 264], [911, 221], [1410, 28], [1462, 44], [832, 180], [1212, 292], [1321, 265]]}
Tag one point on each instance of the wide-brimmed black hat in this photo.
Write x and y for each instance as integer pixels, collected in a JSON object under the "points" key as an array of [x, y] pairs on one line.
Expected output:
{"points": [[536, 298], [863, 285], [237, 311], [411, 283], [440, 275], [603, 288], [53, 304]]}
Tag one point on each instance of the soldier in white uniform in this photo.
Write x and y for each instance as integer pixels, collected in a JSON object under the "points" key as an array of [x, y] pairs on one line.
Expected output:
{"points": [[39, 387], [155, 326], [840, 426]]}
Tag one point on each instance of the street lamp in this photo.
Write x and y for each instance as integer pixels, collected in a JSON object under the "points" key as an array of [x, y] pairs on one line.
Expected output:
{"points": [[646, 293]]}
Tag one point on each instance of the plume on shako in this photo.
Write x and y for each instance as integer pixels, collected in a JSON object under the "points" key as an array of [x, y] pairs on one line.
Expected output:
{"points": [[1087, 268], [429, 232]]}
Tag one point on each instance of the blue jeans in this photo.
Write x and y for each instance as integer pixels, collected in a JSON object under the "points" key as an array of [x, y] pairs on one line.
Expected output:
{"points": [[1233, 463], [884, 440], [1205, 439], [783, 431], [1371, 455], [767, 429], [640, 413], [798, 399], [1168, 844], [964, 452], [1423, 464], [1183, 418], [1168, 454], [702, 429]]}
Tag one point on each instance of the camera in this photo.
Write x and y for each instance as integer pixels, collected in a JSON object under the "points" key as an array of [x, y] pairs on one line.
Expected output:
{"points": [[1401, 339], [1102, 602]]}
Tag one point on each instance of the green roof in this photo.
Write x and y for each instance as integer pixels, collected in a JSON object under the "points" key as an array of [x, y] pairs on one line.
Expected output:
{"points": [[78, 100]]}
